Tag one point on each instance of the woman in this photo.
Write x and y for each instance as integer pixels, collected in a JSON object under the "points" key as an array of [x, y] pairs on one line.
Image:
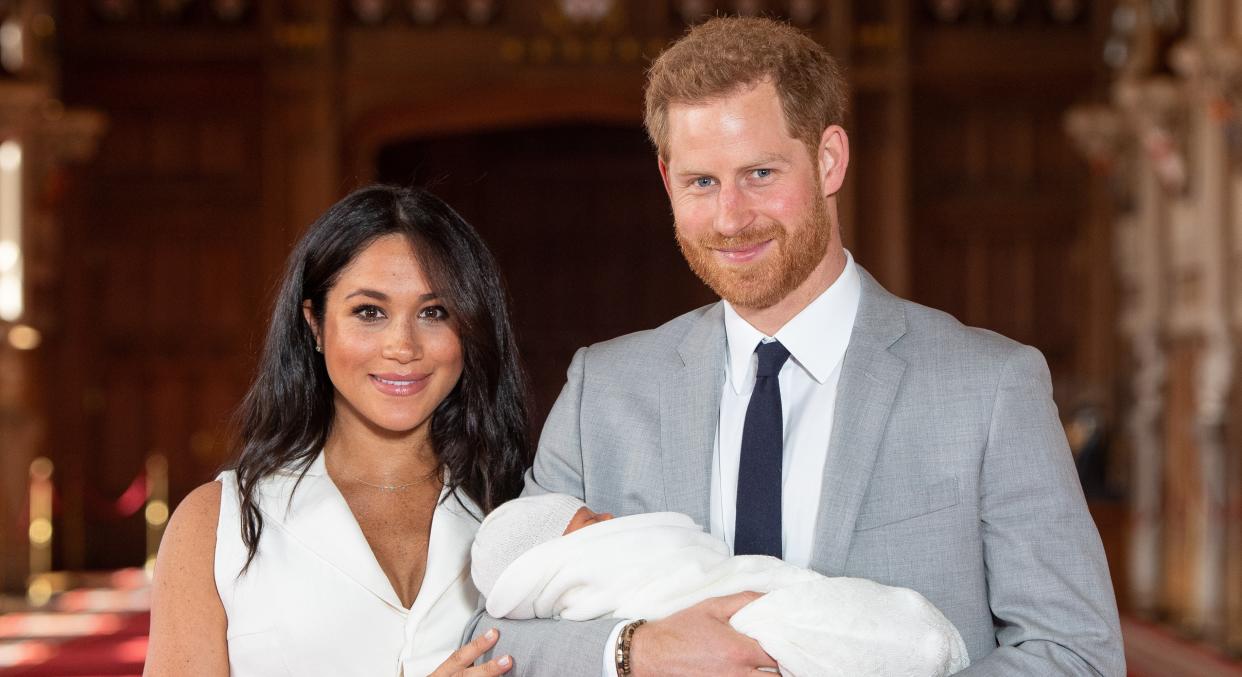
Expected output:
{"points": [[387, 417]]}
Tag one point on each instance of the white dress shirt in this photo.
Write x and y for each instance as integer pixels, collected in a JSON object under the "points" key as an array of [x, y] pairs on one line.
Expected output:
{"points": [[816, 339]]}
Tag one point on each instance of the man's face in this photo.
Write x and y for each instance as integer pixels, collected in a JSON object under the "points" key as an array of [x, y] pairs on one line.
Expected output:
{"points": [[751, 218]]}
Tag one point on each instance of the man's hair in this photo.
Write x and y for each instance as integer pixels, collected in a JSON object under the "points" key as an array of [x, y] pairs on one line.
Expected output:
{"points": [[724, 55]]}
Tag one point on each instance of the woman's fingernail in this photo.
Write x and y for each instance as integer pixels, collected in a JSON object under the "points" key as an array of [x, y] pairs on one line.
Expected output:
{"points": [[504, 661], [490, 634]]}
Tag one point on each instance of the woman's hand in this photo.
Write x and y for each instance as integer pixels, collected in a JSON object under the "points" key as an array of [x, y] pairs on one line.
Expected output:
{"points": [[459, 664]]}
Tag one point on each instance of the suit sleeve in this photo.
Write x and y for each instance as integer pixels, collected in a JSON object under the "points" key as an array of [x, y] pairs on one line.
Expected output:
{"points": [[1048, 581], [558, 461], [549, 647]]}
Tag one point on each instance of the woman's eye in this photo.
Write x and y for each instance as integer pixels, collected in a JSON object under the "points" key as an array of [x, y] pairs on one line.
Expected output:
{"points": [[433, 313], [368, 313]]}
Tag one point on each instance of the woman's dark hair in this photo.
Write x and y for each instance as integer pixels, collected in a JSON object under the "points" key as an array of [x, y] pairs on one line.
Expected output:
{"points": [[479, 432]]}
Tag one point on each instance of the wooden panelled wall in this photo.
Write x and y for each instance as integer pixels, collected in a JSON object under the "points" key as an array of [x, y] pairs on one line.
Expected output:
{"points": [[1000, 232], [163, 295], [163, 300], [228, 136]]}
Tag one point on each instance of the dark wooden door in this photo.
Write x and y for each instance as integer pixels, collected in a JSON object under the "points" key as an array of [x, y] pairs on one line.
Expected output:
{"points": [[1001, 235], [579, 222]]}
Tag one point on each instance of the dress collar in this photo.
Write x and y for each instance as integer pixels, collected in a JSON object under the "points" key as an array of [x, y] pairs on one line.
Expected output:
{"points": [[317, 515]]}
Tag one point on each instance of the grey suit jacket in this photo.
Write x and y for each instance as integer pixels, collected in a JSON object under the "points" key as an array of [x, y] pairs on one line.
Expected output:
{"points": [[947, 472]]}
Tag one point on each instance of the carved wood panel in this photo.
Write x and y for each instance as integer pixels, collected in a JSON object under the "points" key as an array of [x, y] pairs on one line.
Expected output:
{"points": [[998, 206], [1233, 534], [1182, 521]]}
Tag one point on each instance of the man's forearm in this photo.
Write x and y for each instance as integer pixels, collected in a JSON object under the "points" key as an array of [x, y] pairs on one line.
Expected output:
{"points": [[547, 647], [1039, 659]]}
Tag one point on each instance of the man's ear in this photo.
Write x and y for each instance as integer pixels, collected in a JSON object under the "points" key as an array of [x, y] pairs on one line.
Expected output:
{"points": [[834, 158], [308, 314], [664, 176]]}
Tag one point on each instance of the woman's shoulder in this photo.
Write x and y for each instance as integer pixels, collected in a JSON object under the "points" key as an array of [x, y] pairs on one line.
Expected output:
{"points": [[193, 524], [188, 621], [204, 498], [186, 560]]}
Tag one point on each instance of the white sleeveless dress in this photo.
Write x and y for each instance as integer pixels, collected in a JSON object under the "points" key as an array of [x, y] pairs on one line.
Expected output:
{"points": [[315, 601]]}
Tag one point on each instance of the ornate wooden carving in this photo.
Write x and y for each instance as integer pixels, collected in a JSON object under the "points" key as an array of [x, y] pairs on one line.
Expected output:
{"points": [[1177, 260]]}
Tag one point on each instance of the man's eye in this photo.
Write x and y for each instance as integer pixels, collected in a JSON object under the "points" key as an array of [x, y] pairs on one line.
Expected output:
{"points": [[703, 182], [433, 313], [368, 313], [763, 173]]}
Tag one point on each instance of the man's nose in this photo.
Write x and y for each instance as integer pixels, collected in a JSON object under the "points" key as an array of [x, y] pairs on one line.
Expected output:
{"points": [[734, 212]]}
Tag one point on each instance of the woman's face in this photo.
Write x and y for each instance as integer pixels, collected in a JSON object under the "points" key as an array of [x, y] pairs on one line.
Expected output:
{"points": [[390, 347]]}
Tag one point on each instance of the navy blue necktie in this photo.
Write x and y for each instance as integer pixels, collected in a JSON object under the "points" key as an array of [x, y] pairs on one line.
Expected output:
{"points": [[757, 525]]}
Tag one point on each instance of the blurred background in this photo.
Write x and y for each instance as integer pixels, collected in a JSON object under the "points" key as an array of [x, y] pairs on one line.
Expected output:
{"points": [[1065, 172]]}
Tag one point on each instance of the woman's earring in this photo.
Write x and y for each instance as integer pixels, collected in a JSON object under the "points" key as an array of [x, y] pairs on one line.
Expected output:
{"points": [[318, 348]]}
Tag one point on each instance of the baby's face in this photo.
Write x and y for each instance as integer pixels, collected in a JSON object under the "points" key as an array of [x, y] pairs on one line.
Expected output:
{"points": [[584, 518]]}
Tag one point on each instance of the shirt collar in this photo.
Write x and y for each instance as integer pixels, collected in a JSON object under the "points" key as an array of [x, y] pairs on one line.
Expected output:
{"points": [[816, 337]]}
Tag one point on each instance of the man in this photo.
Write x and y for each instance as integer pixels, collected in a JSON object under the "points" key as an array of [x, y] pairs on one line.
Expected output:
{"points": [[872, 437]]}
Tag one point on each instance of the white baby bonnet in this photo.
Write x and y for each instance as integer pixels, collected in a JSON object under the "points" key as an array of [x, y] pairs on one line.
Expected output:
{"points": [[514, 528]]}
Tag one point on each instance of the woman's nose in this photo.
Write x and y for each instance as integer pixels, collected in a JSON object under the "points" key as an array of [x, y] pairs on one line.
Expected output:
{"points": [[401, 344]]}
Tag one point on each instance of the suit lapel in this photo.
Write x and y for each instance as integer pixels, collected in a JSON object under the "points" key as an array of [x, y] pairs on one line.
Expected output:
{"points": [[689, 413], [870, 378]]}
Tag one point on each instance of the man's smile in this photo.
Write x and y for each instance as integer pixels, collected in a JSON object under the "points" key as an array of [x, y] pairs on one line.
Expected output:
{"points": [[743, 254]]}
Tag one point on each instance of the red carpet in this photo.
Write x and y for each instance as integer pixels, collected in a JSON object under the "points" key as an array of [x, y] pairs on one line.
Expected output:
{"points": [[87, 632], [1154, 651], [97, 631]]}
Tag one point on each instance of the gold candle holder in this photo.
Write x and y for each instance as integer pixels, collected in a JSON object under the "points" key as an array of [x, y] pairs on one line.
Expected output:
{"points": [[39, 586], [156, 512]]}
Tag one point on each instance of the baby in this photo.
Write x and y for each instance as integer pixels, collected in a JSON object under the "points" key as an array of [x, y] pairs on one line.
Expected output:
{"points": [[550, 556]]}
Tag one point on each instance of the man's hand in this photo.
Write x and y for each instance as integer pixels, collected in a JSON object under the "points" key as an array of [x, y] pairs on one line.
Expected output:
{"points": [[699, 641]]}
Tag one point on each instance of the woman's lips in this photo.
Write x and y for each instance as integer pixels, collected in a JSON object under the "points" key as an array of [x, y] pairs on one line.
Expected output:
{"points": [[399, 385], [744, 254]]}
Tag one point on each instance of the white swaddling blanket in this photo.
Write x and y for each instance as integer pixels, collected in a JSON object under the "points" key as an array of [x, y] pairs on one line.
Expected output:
{"points": [[652, 565]]}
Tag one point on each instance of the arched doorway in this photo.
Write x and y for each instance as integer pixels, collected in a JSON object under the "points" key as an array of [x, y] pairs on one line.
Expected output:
{"points": [[578, 220]]}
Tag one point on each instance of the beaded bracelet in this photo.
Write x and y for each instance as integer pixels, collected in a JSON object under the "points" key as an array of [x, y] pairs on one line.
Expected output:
{"points": [[623, 647]]}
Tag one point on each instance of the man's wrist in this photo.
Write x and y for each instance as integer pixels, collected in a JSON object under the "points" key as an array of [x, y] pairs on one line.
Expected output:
{"points": [[608, 656], [625, 640]]}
